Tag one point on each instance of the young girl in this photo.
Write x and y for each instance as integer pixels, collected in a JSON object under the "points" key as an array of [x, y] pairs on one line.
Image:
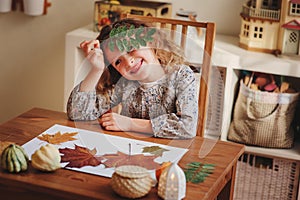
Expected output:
{"points": [[157, 92]]}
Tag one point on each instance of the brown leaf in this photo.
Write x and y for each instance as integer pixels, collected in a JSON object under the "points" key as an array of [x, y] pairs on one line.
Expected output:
{"points": [[119, 159], [58, 137], [80, 156]]}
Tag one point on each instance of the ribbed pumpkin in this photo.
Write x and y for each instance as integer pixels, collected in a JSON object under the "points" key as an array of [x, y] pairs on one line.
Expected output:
{"points": [[47, 158], [14, 159]]}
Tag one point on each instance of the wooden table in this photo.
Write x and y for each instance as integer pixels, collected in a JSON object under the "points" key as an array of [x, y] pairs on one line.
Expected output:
{"points": [[69, 184]]}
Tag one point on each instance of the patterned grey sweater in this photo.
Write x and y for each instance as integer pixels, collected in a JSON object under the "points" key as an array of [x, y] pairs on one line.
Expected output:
{"points": [[171, 103]]}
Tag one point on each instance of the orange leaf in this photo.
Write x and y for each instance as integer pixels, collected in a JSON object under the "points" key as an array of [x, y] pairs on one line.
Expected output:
{"points": [[58, 138], [163, 166], [119, 159], [80, 156]]}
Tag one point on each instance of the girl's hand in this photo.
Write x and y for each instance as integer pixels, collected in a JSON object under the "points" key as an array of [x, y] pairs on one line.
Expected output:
{"points": [[93, 53], [115, 122]]}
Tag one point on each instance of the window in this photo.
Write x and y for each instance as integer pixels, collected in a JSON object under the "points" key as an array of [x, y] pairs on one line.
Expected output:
{"points": [[293, 37], [258, 32], [270, 4], [265, 4], [246, 30], [275, 4], [253, 3], [295, 9]]}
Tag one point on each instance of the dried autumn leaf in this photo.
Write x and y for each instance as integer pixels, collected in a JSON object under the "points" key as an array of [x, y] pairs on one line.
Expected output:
{"points": [[119, 159], [155, 150], [80, 156], [58, 137]]}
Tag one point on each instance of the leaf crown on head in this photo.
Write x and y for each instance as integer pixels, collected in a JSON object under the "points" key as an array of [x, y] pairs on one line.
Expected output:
{"points": [[128, 38]]}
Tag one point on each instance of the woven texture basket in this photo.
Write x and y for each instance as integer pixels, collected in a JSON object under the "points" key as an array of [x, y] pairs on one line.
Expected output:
{"points": [[263, 118], [131, 181], [265, 178]]}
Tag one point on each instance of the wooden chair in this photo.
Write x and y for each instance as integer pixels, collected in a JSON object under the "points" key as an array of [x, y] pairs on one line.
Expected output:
{"points": [[209, 31]]}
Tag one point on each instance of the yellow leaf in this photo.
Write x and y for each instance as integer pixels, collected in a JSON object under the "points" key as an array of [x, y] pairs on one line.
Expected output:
{"points": [[58, 137]]}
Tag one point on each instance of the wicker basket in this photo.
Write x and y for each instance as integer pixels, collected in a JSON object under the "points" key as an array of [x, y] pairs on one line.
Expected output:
{"points": [[266, 178], [263, 118]]}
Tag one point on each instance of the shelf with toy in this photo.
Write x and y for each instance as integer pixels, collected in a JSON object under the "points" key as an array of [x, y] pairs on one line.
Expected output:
{"points": [[257, 61], [266, 124], [288, 67]]}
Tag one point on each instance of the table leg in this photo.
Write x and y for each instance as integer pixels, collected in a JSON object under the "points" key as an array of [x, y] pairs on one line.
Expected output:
{"points": [[228, 190]]}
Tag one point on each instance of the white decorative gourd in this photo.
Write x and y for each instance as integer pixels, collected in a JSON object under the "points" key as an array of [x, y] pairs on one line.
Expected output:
{"points": [[46, 158]]}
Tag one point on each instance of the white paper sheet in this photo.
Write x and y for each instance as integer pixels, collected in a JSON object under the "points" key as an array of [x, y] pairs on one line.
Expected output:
{"points": [[104, 144]]}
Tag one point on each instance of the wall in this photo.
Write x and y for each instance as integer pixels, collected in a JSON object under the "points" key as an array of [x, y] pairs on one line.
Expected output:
{"points": [[33, 49], [225, 13], [32, 55]]}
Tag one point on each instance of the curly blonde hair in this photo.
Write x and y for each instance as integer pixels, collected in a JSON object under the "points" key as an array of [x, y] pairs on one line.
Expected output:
{"points": [[168, 53]]}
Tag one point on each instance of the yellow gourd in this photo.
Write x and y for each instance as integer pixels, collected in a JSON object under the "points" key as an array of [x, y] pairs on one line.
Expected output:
{"points": [[47, 158]]}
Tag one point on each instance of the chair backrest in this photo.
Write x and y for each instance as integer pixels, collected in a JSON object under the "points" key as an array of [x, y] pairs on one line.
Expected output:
{"points": [[209, 31]]}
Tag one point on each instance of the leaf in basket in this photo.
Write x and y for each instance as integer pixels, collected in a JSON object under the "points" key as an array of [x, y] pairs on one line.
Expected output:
{"points": [[80, 156], [155, 150], [119, 159], [58, 137]]}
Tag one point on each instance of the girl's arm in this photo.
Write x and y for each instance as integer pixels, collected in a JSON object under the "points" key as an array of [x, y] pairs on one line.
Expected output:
{"points": [[86, 105], [183, 123], [141, 125], [94, 54], [90, 82], [116, 122], [83, 103]]}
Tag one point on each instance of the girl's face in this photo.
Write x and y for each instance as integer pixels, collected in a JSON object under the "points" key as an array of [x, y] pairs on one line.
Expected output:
{"points": [[140, 64]]}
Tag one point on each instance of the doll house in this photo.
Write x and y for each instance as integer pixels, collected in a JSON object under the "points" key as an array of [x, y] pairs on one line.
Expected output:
{"points": [[271, 26]]}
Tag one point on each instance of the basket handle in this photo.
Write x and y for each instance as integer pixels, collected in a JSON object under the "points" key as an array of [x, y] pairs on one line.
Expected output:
{"points": [[251, 116]]}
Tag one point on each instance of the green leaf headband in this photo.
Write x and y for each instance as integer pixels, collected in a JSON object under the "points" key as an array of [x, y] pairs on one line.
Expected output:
{"points": [[125, 38]]}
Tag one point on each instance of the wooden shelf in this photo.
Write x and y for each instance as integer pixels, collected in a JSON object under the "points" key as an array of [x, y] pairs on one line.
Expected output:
{"points": [[261, 62], [291, 154], [256, 61]]}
